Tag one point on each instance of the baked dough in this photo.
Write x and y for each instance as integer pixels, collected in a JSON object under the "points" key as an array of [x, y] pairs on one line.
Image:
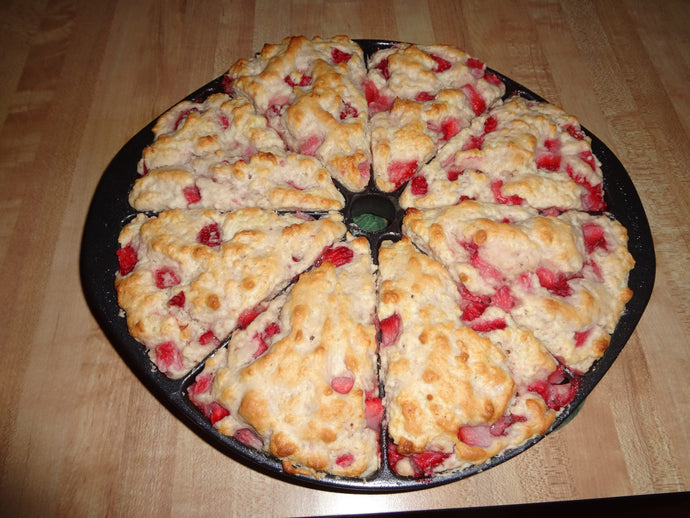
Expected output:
{"points": [[565, 278], [520, 152], [300, 381], [312, 93], [188, 278]]}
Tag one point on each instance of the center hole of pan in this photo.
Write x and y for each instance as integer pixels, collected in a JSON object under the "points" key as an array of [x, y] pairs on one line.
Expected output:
{"points": [[372, 213]]}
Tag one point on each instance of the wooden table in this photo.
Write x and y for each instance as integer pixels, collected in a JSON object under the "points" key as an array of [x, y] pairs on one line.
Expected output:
{"points": [[81, 436]]}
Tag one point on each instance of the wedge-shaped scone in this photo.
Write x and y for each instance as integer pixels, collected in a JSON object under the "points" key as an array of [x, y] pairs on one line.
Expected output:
{"points": [[450, 395], [564, 278], [419, 97], [300, 381], [219, 124], [188, 278], [312, 93], [278, 181], [519, 153], [220, 154]]}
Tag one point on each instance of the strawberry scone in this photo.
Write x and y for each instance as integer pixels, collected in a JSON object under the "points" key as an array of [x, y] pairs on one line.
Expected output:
{"points": [[419, 97], [312, 93], [300, 381], [450, 395], [564, 278], [188, 278], [521, 152]]}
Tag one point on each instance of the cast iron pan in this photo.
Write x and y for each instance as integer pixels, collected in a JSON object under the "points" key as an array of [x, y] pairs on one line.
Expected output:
{"points": [[110, 211]]}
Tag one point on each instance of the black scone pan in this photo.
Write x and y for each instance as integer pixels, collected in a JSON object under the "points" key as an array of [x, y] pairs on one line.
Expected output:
{"points": [[110, 211]]}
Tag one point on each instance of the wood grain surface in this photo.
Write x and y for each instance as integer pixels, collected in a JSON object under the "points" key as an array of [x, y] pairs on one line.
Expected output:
{"points": [[80, 436]]}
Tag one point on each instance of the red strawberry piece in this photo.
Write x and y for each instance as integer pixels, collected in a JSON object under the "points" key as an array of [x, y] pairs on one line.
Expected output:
{"points": [[373, 412], [475, 63], [342, 384], [594, 237], [476, 101], [347, 111], [466, 294], [548, 161], [345, 460], [377, 102], [339, 255], [478, 435], [419, 186], [248, 316], [513, 199], [249, 438], [559, 389], [201, 384], [304, 80], [272, 329], [210, 235], [594, 198], [166, 278], [575, 131], [424, 96], [177, 300], [450, 127], [490, 124], [227, 84], [208, 338], [553, 145], [453, 174], [493, 79], [473, 310], [486, 326], [400, 172], [390, 329], [503, 299], [261, 347], [588, 158], [427, 461], [191, 194], [224, 121], [581, 337], [312, 144], [168, 356], [339, 56], [382, 66], [473, 143], [441, 64], [127, 259], [503, 423], [557, 284], [216, 412]]}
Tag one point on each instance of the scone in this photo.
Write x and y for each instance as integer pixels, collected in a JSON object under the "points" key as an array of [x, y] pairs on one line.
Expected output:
{"points": [[519, 153], [419, 97], [300, 381], [450, 397], [564, 278], [312, 93], [188, 278]]}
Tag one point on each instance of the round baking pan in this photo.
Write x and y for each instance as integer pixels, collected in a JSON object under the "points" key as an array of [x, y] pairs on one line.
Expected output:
{"points": [[110, 211]]}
